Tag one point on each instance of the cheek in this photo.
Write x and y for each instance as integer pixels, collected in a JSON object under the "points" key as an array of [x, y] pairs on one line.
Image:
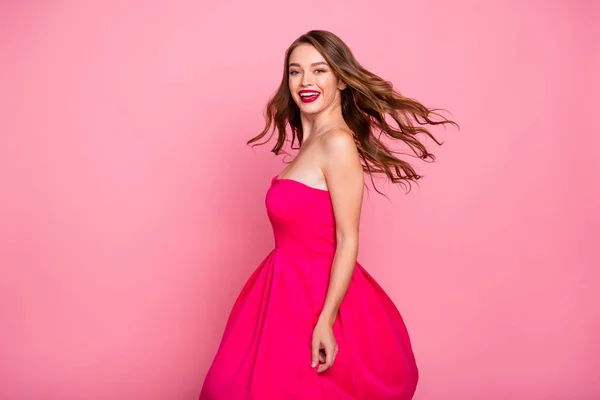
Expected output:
{"points": [[330, 85], [292, 85]]}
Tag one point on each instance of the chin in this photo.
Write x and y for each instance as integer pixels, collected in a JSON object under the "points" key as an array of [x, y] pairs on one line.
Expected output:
{"points": [[309, 108]]}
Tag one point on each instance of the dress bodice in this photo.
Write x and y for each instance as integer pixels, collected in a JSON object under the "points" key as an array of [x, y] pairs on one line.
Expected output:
{"points": [[301, 217]]}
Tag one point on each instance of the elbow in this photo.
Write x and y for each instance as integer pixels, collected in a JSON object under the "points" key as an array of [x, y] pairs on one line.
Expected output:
{"points": [[346, 241]]}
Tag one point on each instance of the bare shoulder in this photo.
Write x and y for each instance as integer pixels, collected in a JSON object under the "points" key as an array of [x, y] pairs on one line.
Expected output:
{"points": [[341, 159], [344, 175], [339, 141]]}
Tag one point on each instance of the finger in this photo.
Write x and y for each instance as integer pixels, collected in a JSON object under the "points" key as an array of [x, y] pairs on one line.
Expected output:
{"points": [[323, 367], [329, 356], [335, 352], [315, 354], [321, 356], [328, 361]]}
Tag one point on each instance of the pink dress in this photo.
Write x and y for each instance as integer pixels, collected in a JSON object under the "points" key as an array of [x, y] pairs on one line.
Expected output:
{"points": [[265, 352]]}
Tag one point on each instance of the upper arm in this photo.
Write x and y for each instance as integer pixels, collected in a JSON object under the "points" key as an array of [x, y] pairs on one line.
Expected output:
{"points": [[345, 181]]}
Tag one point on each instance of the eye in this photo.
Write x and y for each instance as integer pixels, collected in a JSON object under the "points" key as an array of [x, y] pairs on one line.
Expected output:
{"points": [[294, 72], [321, 70]]}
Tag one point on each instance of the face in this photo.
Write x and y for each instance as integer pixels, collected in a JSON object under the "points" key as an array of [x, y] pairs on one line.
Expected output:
{"points": [[313, 85]]}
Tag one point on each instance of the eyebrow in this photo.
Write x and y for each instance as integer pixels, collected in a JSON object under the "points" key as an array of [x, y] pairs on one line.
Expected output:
{"points": [[312, 65]]}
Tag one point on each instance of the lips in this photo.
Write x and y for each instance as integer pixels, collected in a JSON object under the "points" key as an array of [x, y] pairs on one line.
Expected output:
{"points": [[308, 96]]}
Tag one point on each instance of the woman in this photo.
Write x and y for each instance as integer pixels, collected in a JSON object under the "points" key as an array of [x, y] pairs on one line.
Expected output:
{"points": [[311, 323]]}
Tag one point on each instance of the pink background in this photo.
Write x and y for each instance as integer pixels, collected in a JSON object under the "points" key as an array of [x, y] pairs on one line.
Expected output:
{"points": [[132, 210]]}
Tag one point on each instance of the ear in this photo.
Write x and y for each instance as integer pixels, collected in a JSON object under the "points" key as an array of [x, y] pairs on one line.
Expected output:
{"points": [[342, 85]]}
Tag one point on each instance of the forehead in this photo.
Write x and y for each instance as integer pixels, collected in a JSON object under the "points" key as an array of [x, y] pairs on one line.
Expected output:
{"points": [[305, 54]]}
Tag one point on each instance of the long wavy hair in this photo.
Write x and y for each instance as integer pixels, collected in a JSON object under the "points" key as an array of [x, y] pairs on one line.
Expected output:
{"points": [[366, 101]]}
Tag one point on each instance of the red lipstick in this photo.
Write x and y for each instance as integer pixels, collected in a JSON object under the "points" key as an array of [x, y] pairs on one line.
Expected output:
{"points": [[308, 96]]}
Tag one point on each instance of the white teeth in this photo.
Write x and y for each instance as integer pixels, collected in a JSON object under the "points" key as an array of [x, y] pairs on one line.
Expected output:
{"points": [[309, 94]]}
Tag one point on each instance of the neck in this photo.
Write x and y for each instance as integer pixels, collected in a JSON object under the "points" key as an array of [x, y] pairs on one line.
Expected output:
{"points": [[314, 124]]}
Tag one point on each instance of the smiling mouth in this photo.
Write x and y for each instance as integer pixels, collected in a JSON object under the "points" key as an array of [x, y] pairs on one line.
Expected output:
{"points": [[308, 96]]}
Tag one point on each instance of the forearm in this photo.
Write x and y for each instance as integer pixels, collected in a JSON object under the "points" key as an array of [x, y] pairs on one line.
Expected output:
{"points": [[344, 262]]}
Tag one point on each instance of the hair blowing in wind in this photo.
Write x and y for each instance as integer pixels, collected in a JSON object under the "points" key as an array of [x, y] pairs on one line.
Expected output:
{"points": [[366, 101]]}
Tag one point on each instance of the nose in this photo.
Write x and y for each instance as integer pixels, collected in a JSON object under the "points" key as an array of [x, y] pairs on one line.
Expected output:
{"points": [[307, 79]]}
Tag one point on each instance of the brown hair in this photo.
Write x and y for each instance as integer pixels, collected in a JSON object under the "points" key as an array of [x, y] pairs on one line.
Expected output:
{"points": [[366, 101]]}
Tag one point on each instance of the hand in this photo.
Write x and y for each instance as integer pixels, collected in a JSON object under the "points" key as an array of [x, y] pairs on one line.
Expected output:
{"points": [[324, 347]]}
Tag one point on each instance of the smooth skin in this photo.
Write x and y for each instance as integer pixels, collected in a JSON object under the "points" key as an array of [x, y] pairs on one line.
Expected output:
{"points": [[329, 160]]}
